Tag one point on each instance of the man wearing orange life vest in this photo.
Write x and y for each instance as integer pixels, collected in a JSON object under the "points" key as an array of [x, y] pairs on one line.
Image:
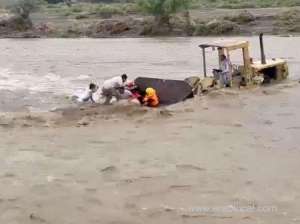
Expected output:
{"points": [[151, 99]]}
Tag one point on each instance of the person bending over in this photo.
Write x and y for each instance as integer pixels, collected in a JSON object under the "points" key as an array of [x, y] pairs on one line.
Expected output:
{"points": [[113, 88]]}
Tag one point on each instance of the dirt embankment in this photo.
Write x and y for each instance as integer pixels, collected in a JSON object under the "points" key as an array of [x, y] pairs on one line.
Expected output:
{"points": [[209, 22], [80, 116]]}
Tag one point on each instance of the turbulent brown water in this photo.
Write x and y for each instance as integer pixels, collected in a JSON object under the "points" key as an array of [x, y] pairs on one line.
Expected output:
{"points": [[39, 74], [231, 156]]}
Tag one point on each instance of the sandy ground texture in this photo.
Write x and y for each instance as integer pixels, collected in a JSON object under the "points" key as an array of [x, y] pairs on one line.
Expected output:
{"points": [[227, 157]]}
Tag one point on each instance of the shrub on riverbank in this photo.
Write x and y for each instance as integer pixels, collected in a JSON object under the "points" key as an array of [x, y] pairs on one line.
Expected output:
{"points": [[241, 4], [86, 10], [162, 11], [23, 8], [107, 11], [289, 20], [20, 18], [15, 23], [242, 18], [216, 27], [290, 17]]}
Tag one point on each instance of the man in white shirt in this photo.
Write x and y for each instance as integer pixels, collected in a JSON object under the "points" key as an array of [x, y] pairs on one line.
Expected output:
{"points": [[113, 88]]}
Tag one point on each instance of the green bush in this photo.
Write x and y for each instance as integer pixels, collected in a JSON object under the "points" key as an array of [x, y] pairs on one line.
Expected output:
{"points": [[295, 28], [216, 27], [163, 7], [240, 4], [107, 10], [130, 8], [201, 30], [242, 18], [162, 10], [82, 16], [77, 8], [289, 21], [24, 8], [290, 17]]}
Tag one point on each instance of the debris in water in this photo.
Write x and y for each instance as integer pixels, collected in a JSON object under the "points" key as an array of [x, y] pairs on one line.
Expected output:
{"points": [[167, 208], [83, 122], [109, 169], [180, 187], [165, 113], [238, 125], [37, 218], [268, 122], [189, 110], [51, 178], [189, 166]]}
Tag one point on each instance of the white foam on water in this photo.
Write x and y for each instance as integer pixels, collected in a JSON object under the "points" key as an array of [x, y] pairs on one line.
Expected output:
{"points": [[51, 82], [6, 80], [42, 92], [53, 77], [83, 77]]}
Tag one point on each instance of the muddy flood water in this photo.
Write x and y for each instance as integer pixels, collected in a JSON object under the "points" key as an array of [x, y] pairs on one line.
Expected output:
{"points": [[231, 156], [39, 74]]}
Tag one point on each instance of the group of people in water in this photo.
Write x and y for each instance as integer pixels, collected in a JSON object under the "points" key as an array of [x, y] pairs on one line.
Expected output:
{"points": [[120, 88]]}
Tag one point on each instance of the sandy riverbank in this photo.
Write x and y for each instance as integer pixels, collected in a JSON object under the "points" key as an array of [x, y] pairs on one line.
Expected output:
{"points": [[228, 149]]}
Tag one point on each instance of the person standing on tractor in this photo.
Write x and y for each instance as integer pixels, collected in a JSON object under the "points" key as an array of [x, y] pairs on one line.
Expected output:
{"points": [[225, 71]]}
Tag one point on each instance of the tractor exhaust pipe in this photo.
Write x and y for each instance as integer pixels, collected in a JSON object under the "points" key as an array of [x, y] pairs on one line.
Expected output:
{"points": [[262, 50]]}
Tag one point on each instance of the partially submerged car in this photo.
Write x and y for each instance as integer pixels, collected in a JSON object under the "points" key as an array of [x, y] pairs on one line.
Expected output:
{"points": [[169, 91]]}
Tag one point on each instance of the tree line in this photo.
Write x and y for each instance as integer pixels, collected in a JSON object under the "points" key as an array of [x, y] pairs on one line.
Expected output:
{"points": [[162, 10]]}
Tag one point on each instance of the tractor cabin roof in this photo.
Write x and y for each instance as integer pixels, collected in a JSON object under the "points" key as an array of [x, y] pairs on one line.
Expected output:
{"points": [[228, 44]]}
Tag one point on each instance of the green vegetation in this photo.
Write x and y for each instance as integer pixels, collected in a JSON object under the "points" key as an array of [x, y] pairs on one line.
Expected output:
{"points": [[216, 27], [290, 20], [163, 9], [244, 17], [21, 10], [24, 8], [86, 10], [166, 17], [108, 10], [166, 6], [239, 4]]}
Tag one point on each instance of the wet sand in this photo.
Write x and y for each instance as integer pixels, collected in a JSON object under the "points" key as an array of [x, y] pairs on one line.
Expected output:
{"points": [[201, 161]]}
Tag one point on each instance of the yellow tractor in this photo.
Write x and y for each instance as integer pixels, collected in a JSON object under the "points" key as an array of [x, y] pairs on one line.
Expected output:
{"points": [[250, 72]]}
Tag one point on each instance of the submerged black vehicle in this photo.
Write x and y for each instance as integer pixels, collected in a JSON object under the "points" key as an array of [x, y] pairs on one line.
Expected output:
{"points": [[169, 91]]}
